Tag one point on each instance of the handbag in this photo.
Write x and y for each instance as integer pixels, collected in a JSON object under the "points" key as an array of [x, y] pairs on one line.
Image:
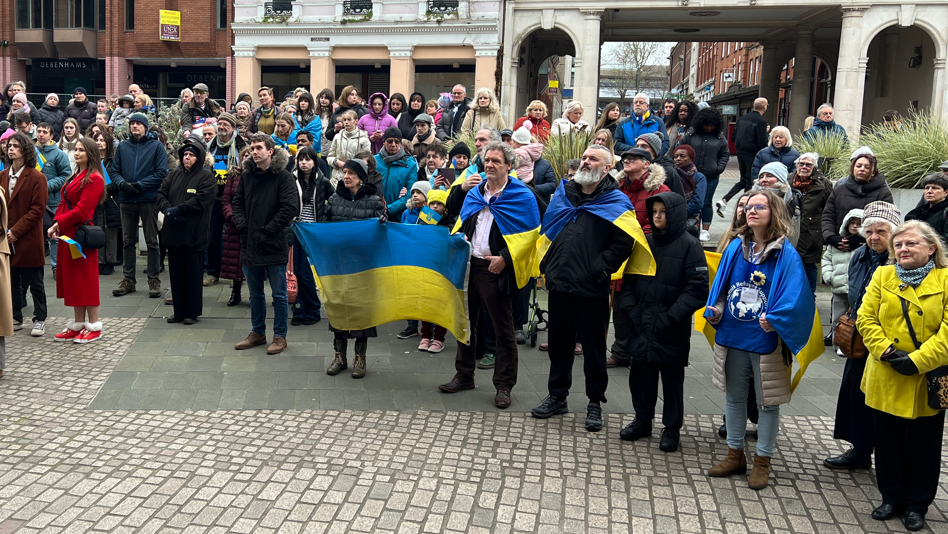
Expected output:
{"points": [[938, 378], [847, 338], [89, 236], [292, 286]]}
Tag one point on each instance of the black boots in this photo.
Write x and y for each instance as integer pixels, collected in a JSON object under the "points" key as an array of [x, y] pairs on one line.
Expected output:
{"points": [[234, 294]]}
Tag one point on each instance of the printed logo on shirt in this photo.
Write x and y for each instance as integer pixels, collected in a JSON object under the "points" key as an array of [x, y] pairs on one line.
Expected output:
{"points": [[746, 301]]}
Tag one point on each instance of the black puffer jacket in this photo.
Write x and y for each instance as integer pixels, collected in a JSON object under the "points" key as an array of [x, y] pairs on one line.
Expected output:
{"points": [[84, 113], [660, 307], [588, 250], [934, 216], [344, 206], [711, 150], [265, 204], [672, 180], [193, 193], [316, 191], [107, 214], [810, 242], [849, 195], [406, 121], [54, 116], [331, 132]]}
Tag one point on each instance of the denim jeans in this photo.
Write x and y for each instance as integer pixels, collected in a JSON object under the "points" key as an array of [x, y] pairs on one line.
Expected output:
{"points": [[707, 211], [53, 251], [812, 273], [739, 366], [258, 301]]}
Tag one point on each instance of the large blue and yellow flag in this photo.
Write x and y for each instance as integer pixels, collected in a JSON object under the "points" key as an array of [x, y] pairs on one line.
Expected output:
{"points": [[518, 219], [391, 272], [612, 206], [790, 305]]}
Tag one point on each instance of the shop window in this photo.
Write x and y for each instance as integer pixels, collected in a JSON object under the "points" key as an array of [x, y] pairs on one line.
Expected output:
{"points": [[221, 14], [34, 14]]}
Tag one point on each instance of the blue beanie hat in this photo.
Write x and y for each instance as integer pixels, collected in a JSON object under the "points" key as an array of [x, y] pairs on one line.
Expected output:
{"points": [[139, 117], [775, 168]]}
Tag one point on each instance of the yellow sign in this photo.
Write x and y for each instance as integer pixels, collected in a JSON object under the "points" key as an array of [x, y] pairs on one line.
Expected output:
{"points": [[169, 25], [554, 83], [553, 87]]}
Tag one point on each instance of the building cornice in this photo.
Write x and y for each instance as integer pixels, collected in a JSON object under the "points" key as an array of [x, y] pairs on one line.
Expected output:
{"points": [[250, 29]]}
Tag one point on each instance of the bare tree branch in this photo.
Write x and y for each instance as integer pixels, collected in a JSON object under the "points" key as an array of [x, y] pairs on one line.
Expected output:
{"points": [[630, 65]]}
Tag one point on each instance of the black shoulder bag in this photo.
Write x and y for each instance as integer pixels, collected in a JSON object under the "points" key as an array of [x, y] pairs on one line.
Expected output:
{"points": [[937, 379], [88, 235]]}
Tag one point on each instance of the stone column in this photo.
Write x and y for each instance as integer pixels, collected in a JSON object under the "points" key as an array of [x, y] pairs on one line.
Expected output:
{"points": [[322, 71], [770, 81], [939, 90], [248, 70], [485, 65], [402, 77], [850, 73], [802, 82], [586, 89]]}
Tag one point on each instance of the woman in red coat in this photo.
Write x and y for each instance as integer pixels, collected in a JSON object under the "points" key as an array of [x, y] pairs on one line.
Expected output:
{"points": [[536, 114], [230, 260], [77, 279]]}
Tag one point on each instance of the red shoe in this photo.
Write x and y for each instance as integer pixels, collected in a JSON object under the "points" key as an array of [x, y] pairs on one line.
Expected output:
{"points": [[90, 333], [544, 346], [70, 333], [578, 349]]}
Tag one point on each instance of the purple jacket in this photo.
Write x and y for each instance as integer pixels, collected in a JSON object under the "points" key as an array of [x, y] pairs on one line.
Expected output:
{"points": [[371, 123]]}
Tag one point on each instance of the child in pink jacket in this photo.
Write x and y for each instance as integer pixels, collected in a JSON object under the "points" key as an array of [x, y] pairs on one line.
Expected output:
{"points": [[376, 121], [527, 153]]}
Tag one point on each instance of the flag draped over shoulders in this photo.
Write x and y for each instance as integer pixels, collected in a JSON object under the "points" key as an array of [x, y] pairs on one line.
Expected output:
{"points": [[791, 309], [518, 218], [612, 206]]}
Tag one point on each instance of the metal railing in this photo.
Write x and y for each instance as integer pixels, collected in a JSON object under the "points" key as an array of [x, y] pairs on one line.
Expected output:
{"points": [[442, 7], [356, 7], [278, 8]]}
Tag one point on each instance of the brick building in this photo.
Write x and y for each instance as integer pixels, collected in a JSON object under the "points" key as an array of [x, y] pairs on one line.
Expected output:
{"points": [[105, 45]]}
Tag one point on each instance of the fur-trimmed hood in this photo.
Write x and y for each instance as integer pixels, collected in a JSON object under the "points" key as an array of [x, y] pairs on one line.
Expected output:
{"points": [[278, 161], [653, 180]]}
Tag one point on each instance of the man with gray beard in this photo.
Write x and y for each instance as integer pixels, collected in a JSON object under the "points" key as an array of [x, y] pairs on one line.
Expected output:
{"points": [[578, 267]]}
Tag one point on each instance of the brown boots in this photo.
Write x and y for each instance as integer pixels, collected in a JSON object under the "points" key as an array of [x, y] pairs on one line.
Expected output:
{"points": [[339, 363], [736, 463], [760, 473], [358, 368]]}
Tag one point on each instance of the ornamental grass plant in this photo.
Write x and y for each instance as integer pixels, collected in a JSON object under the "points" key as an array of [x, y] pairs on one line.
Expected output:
{"points": [[911, 152], [834, 152], [558, 149]]}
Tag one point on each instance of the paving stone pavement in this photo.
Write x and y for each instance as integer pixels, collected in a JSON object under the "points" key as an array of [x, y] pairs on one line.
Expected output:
{"points": [[382, 454]]}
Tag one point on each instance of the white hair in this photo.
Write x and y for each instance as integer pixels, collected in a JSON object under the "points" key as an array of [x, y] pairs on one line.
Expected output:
{"points": [[872, 221], [822, 107], [641, 95], [810, 156], [187, 91], [574, 105], [784, 132]]}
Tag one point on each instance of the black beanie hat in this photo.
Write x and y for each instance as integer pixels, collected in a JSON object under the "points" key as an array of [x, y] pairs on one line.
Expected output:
{"points": [[392, 133], [460, 148], [359, 167]]}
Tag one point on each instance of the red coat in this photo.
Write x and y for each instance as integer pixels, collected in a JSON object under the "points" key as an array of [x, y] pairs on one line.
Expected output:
{"points": [[26, 208], [651, 183], [231, 267], [77, 280], [540, 131]]}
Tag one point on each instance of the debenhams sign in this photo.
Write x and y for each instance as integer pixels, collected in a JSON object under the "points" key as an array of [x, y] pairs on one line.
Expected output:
{"points": [[67, 64]]}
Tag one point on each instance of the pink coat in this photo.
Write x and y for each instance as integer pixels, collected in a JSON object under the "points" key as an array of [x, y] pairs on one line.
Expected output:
{"points": [[527, 156], [371, 123]]}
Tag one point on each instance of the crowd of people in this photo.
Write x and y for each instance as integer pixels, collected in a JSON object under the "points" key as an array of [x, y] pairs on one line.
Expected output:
{"points": [[224, 204]]}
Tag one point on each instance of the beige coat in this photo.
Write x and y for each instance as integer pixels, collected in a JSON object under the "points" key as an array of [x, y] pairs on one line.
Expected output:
{"points": [[6, 289], [774, 373], [479, 118], [343, 148]]}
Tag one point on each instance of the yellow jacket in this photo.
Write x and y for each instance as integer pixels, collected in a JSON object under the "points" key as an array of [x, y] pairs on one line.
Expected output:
{"points": [[881, 323]]}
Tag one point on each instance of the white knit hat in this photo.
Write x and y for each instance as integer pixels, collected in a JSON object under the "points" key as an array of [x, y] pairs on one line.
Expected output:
{"points": [[522, 135]]}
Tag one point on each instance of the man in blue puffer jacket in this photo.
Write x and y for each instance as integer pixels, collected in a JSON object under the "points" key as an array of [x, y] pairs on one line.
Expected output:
{"points": [[399, 171], [641, 122], [140, 165]]}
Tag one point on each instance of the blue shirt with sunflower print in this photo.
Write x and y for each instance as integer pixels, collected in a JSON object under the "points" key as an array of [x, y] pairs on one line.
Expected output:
{"points": [[745, 301]]}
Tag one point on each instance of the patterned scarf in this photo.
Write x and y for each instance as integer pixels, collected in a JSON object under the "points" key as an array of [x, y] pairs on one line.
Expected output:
{"points": [[802, 185], [913, 277]]}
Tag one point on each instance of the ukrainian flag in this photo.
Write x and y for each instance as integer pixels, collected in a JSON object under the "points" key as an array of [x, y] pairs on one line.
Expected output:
{"points": [[517, 216], [428, 216], [75, 249], [612, 206], [789, 306], [370, 274]]}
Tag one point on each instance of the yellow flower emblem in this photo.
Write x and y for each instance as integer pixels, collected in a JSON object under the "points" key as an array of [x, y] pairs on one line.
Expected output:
{"points": [[758, 278]]}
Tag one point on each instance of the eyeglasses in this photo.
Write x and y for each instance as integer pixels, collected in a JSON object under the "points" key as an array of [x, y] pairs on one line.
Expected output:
{"points": [[457, 93], [804, 164], [630, 160], [756, 207]]}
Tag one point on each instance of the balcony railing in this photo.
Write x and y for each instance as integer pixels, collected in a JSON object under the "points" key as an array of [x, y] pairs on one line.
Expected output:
{"points": [[278, 8], [356, 7], [443, 7]]}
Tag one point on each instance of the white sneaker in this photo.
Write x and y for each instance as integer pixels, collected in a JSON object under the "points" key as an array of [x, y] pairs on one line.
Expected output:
{"points": [[17, 326], [704, 236], [839, 352], [720, 206], [39, 328]]}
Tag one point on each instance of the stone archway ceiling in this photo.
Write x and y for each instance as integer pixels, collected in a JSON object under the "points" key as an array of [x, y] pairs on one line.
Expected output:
{"points": [[748, 23], [552, 42]]}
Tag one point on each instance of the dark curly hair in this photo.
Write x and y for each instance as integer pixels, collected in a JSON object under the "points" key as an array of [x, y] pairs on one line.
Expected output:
{"points": [[672, 120], [708, 116]]}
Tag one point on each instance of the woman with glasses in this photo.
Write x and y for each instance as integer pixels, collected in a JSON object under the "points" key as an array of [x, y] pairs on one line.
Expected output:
{"points": [[761, 318], [815, 190]]}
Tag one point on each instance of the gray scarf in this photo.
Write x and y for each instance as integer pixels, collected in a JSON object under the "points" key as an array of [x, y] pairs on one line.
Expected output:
{"points": [[389, 159], [914, 277]]}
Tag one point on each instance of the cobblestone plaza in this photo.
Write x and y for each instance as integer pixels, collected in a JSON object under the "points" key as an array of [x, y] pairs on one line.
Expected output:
{"points": [[165, 428]]}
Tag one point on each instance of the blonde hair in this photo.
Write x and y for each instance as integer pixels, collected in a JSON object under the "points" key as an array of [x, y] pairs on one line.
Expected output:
{"points": [[808, 122], [784, 132], [574, 105], [536, 104], [493, 107], [144, 99], [928, 234], [349, 113]]}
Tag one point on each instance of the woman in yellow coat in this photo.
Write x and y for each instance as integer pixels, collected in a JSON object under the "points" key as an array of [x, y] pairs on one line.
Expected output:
{"points": [[907, 432]]}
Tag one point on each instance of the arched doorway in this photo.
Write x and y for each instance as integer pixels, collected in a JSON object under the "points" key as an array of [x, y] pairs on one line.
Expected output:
{"points": [[538, 62], [900, 72]]}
